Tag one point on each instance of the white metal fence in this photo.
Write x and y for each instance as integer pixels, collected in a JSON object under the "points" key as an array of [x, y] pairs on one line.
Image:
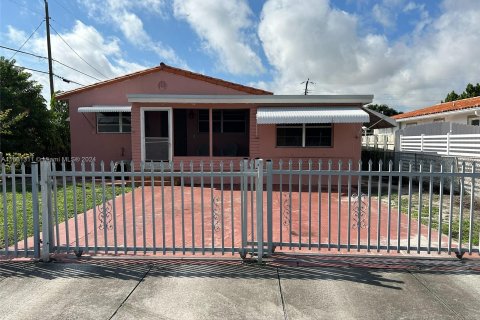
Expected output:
{"points": [[379, 141], [262, 208], [463, 145]]}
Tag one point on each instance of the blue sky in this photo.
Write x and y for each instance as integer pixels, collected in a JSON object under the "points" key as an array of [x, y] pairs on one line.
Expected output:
{"points": [[407, 53]]}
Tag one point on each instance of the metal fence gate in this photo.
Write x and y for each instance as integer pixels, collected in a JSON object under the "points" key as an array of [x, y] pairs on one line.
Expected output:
{"points": [[253, 207]]}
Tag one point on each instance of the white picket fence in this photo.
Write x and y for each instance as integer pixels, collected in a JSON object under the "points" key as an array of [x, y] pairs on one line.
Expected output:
{"points": [[461, 145]]}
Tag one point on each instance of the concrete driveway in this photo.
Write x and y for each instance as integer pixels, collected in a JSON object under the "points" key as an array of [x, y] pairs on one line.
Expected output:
{"points": [[325, 287]]}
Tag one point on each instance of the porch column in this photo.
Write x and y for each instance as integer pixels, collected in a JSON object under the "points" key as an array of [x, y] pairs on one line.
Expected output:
{"points": [[210, 132]]}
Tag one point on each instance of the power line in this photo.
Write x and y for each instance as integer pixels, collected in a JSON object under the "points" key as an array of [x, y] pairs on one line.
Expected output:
{"points": [[55, 60], [77, 53], [27, 39], [45, 72]]}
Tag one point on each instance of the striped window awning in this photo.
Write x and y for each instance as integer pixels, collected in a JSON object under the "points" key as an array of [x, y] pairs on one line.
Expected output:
{"points": [[98, 108], [293, 115]]}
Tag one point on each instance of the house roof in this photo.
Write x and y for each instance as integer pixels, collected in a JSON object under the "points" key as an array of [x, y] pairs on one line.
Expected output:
{"points": [[378, 120], [262, 100], [170, 69], [441, 108]]}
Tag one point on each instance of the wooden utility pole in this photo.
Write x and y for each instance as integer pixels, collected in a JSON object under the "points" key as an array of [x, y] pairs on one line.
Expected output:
{"points": [[49, 49]]}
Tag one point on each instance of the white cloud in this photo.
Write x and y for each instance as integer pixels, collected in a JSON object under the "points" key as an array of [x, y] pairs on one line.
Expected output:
{"points": [[120, 13], [225, 28], [103, 54], [383, 16], [322, 43]]}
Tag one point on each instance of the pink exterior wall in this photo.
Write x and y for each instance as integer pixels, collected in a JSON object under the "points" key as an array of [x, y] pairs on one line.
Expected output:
{"points": [[346, 144], [86, 142]]}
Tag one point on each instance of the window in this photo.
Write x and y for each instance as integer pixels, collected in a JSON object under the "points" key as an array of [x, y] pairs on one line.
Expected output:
{"points": [[474, 121], [304, 135], [224, 121], [112, 122]]}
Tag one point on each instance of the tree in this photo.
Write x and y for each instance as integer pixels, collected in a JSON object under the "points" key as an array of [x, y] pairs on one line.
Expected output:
{"points": [[25, 110], [470, 92], [60, 129], [452, 96], [7, 121], [384, 109]]}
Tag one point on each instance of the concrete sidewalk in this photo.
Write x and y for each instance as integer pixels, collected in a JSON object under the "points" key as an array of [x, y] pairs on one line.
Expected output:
{"points": [[319, 288]]}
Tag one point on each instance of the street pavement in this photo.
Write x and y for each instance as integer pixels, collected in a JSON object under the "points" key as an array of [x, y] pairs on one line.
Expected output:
{"points": [[293, 287]]}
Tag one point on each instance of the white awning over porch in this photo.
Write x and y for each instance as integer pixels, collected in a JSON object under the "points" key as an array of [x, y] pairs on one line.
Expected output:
{"points": [[100, 108], [294, 115]]}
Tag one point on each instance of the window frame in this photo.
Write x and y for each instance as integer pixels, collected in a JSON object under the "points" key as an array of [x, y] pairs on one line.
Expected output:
{"points": [[473, 118], [222, 121], [120, 124], [304, 126]]}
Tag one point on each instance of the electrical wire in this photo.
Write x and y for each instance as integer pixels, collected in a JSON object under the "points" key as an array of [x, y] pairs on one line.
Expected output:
{"points": [[27, 39], [42, 57], [45, 72], [77, 53]]}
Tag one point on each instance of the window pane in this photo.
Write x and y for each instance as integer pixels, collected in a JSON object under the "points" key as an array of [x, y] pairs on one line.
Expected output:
{"points": [[235, 115], [234, 126], [203, 115], [475, 122], [108, 122], [318, 137], [217, 126], [289, 137], [126, 121], [108, 128], [203, 126], [216, 115]]}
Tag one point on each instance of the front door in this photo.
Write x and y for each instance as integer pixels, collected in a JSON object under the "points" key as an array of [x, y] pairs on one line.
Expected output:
{"points": [[157, 135]]}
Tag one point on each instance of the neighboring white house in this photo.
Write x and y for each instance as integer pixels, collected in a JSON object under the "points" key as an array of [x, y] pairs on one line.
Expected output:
{"points": [[466, 111]]}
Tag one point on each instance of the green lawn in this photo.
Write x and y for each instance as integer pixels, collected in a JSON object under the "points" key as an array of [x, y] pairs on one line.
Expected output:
{"points": [[445, 214], [26, 217]]}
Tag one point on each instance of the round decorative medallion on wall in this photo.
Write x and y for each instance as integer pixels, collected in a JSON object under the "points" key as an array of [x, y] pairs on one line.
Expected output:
{"points": [[162, 85]]}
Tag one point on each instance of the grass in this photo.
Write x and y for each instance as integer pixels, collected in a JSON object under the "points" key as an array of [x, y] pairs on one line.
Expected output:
{"points": [[65, 196], [435, 212]]}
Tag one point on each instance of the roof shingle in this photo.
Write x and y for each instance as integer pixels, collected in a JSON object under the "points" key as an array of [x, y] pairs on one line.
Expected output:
{"points": [[442, 107]]}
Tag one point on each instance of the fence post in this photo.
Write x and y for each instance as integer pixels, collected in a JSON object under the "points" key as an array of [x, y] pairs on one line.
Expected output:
{"points": [[421, 142], [244, 193], [448, 143], [269, 206], [47, 230], [259, 207], [35, 202]]}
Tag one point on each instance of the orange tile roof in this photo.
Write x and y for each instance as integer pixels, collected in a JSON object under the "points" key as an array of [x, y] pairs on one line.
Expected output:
{"points": [[170, 69], [442, 107]]}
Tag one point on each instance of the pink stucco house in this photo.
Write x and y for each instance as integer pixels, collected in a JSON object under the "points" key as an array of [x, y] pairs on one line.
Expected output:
{"points": [[169, 114]]}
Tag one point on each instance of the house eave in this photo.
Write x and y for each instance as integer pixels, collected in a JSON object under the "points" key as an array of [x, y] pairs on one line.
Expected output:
{"points": [[264, 100], [439, 114]]}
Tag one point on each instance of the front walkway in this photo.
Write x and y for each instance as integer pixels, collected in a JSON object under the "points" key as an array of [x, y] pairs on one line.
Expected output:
{"points": [[147, 222]]}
